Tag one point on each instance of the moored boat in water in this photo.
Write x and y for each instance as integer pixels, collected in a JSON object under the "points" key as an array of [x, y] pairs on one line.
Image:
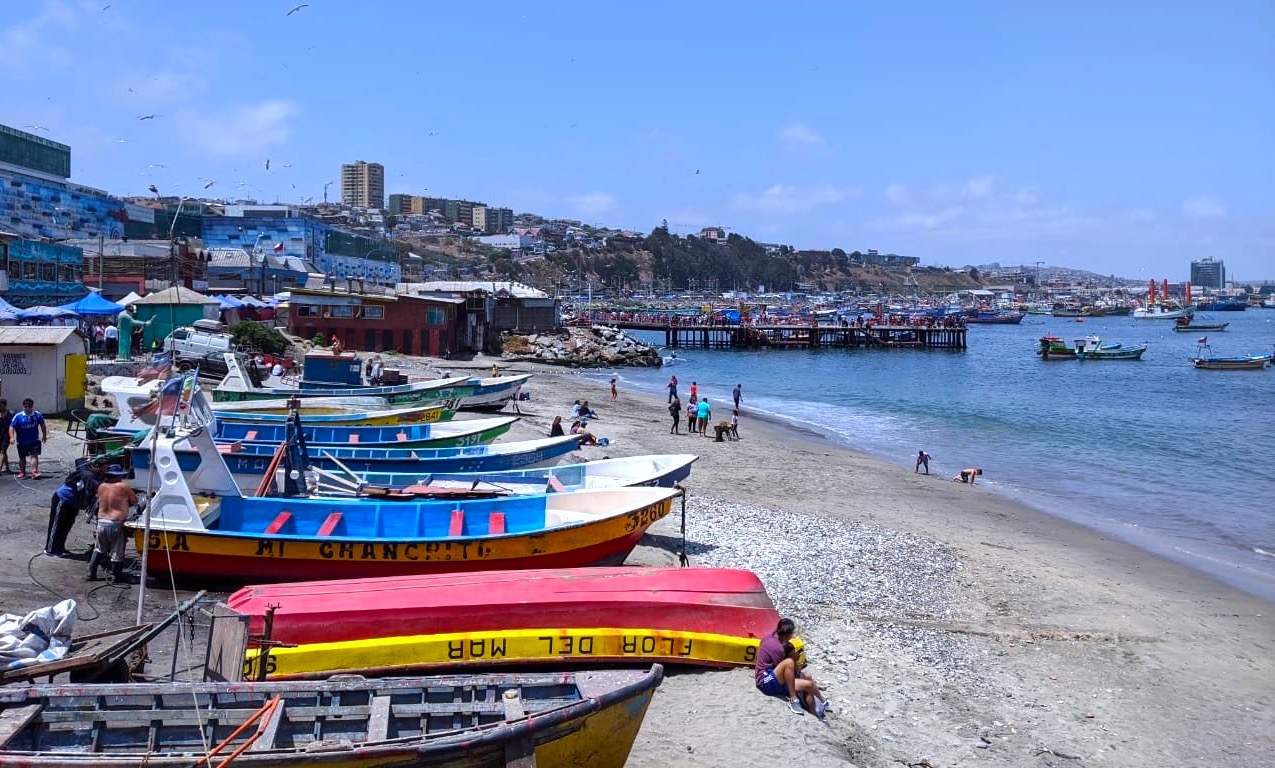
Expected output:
{"points": [[1188, 324], [1092, 348], [586, 718], [1205, 360]]}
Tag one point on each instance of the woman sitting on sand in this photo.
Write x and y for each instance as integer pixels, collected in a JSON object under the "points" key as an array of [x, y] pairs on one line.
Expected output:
{"points": [[586, 437], [967, 475], [556, 429]]}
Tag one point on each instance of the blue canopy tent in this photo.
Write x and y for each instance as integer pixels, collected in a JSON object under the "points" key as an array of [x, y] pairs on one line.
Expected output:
{"points": [[93, 304]]}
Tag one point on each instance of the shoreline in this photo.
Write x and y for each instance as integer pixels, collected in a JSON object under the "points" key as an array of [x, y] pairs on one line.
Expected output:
{"points": [[1201, 559], [1122, 653]]}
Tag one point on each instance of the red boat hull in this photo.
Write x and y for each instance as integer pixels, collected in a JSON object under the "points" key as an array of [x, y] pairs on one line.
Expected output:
{"points": [[712, 600]]}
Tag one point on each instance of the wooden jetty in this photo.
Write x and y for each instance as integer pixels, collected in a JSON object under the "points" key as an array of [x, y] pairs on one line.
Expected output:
{"points": [[784, 336]]}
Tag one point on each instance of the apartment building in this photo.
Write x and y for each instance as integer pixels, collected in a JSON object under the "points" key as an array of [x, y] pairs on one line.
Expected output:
{"points": [[363, 185]]}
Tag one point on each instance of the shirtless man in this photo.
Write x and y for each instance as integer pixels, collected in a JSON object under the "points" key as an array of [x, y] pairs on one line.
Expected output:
{"points": [[114, 498], [967, 475]]}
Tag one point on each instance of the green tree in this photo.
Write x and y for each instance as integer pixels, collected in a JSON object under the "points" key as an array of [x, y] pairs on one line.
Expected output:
{"points": [[251, 334]]}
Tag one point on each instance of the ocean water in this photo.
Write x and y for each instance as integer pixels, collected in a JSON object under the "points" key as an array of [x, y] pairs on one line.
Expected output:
{"points": [[1178, 461]]}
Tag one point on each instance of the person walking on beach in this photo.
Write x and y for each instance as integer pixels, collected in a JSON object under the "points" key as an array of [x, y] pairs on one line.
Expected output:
{"points": [[923, 460], [28, 432], [738, 394], [705, 412], [675, 410], [615, 393], [777, 673], [692, 412], [967, 475], [672, 388]]}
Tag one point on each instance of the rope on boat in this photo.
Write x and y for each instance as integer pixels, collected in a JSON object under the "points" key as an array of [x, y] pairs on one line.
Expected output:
{"points": [[682, 558]]}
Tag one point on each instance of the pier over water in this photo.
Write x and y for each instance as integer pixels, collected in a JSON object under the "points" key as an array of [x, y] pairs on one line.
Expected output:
{"points": [[682, 332]]}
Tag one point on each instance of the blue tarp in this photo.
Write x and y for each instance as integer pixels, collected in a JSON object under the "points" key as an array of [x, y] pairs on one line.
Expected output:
{"points": [[45, 313], [93, 304]]}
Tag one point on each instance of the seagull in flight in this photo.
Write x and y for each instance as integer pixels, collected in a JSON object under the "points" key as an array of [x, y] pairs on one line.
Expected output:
{"points": [[154, 190], [36, 127], [209, 184], [267, 163], [148, 117], [297, 8]]}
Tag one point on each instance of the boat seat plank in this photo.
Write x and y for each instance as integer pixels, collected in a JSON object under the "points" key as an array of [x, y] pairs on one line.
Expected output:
{"points": [[496, 523], [279, 522], [401, 437], [250, 435], [378, 724], [330, 524], [457, 526], [354, 438], [12, 721], [268, 729]]}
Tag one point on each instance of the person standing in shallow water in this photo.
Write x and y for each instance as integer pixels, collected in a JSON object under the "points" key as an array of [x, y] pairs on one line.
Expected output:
{"points": [[738, 394], [672, 388], [923, 460]]}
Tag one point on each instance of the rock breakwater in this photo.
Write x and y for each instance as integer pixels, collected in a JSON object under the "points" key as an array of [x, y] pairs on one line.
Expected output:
{"points": [[581, 348]]}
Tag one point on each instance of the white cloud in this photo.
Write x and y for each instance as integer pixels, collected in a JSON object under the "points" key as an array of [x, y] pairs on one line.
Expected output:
{"points": [[593, 204], [798, 134], [786, 199], [1201, 207], [898, 194], [978, 188], [919, 220], [245, 129], [30, 46]]}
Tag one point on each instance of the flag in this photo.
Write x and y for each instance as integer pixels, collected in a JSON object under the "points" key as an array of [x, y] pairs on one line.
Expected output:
{"points": [[165, 402], [160, 367], [278, 247]]}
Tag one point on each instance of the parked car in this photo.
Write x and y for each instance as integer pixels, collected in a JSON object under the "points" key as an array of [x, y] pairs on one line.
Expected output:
{"points": [[202, 344]]}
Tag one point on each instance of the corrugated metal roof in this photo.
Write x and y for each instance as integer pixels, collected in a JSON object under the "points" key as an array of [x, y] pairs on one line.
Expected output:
{"points": [[34, 335], [464, 286]]}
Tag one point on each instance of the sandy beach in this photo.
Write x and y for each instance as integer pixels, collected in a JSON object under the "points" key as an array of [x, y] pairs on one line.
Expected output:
{"points": [[950, 626]]}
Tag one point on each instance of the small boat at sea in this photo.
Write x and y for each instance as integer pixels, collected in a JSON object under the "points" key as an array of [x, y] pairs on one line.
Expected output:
{"points": [[1055, 347], [1205, 360], [493, 393], [1188, 324], [447, 434], [1161, 311], [995, 317], [656, 469], [697, 616], [588, 718], [1092, 348]]}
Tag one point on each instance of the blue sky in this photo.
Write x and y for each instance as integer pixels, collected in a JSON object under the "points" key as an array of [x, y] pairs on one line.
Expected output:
{"points": [[1125, 137]]}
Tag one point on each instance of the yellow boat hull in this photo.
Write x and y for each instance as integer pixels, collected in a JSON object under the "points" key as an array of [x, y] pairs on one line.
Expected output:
{"points": [[397, 655]]}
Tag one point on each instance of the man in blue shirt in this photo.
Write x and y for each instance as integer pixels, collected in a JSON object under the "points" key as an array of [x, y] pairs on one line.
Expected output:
{"points": [[28, 433], [76, 494]]}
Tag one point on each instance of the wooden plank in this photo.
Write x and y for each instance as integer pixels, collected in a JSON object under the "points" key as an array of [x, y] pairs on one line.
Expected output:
{"points": [[84, 653], [329, 525], [457, 526], [496, 523], [277, 524], [12, 721], [378, 725], [268, 729], [227, 643], [520, 752]]}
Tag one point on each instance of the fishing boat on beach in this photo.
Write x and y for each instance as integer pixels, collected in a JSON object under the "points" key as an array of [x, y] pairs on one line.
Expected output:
{"points": [[696, 616], [493, 393], [223, 535], [657, 469], [447, 434], [587, 718], [1092, 348], [237, 386], [248, 461], [1205, 360]]}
